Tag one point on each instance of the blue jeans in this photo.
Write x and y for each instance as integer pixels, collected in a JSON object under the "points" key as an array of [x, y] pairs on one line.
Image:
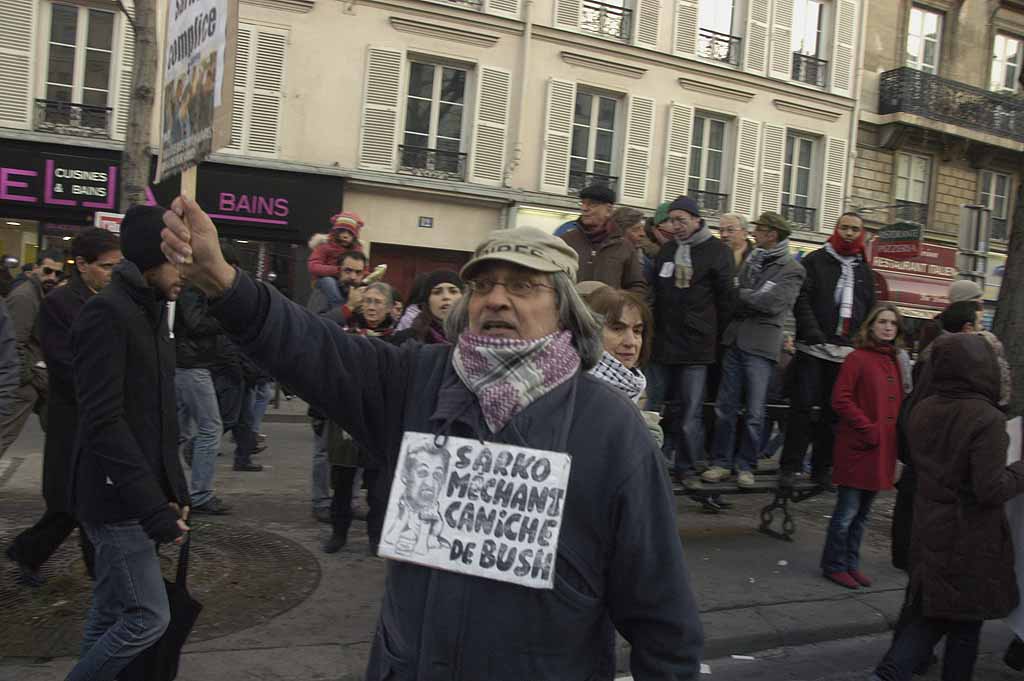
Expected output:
{"points": [[129, 609], [197, 403], [259, 400], [332, 291], [690, 381], [742, 373], [916, 640], [846, 530], [658, 378], [321, 469]]}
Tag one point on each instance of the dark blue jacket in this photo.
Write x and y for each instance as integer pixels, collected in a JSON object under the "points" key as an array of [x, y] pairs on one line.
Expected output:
{"points": [[620, 562]]}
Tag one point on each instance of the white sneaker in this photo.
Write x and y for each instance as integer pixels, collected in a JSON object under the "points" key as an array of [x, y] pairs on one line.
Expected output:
{"points": [[716, 474], [745, 479]]}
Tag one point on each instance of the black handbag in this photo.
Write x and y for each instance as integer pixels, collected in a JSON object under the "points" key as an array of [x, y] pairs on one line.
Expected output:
{"points": [[159, 662]]}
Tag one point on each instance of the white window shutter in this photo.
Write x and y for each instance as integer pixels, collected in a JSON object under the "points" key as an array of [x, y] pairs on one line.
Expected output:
{"points": [[123, 102], [684, 37], [554, 172], [773, 157], [781, 61], [490, 126], [646, 33], [267, 90], [567, 14], [744, 178], [677, 151], [17, 28], [241, 102], [844, 46], [636, 160], [755, 52], [378, 140], [833, 189], [505, 8]]}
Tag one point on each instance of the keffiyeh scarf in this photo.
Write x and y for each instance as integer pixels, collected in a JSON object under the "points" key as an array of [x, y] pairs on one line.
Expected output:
{"points": [[613, 372], [683, 261], [507, 374], [844, 289], [759, 257]]}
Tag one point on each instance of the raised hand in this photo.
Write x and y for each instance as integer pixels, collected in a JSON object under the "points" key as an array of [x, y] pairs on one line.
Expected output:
{"points": [[190, 241]]}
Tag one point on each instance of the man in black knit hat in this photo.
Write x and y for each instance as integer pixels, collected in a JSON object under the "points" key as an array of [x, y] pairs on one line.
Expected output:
{"points": [[128, 489]]}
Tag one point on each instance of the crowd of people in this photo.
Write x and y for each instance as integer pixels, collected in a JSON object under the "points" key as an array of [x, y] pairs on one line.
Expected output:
{"points": [[605, 340]]}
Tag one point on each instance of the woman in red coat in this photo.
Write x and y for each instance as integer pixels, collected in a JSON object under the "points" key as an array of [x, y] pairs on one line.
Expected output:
{"points": [[866, 398]]}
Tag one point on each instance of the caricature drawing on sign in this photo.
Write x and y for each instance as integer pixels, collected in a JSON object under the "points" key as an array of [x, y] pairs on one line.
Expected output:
{"points": [[417, 526]]}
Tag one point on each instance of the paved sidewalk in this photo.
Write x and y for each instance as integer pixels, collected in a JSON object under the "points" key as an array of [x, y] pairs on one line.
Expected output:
{"points": [[755, 592]]}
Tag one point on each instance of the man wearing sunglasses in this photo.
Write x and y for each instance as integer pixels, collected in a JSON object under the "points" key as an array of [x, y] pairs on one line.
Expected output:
{"points": [[23, 304]]}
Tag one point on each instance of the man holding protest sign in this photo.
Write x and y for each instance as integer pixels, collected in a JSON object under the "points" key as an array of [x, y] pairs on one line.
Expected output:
{"points": [[513, 408]]}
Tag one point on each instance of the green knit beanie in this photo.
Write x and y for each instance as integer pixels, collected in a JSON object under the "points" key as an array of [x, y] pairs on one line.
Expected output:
{"points": [[661, 214]]}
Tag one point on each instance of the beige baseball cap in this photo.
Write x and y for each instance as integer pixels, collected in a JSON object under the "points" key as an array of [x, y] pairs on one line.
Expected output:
{"points": [[527, 247]]}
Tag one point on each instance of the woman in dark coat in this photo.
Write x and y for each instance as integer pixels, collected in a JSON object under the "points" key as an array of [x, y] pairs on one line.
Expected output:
{"points": [[866, 398], [438, 294], [962, 559]]}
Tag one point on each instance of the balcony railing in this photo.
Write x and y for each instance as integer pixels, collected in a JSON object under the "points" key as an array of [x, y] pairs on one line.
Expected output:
{"points": [[810, 70], [469, 4], [435, 163], [998, 228], [802, 217], [911, 91], [719, 46], [605, 19], [578, 180], [712, 204], [78, 120], [909, 211]]}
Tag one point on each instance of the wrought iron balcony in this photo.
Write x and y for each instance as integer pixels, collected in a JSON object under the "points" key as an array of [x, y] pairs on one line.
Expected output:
{"points": [[810, 70], [578, 180], [605, 19], [468, 4], [909, 211], [802, 217], [719, 46], [998, 228], [78, 120], [911, 91], [435, 163], [712, 204]]}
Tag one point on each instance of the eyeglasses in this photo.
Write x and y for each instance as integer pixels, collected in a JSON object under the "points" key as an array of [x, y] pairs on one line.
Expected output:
{"points": [[520, 288], [49, 270]]}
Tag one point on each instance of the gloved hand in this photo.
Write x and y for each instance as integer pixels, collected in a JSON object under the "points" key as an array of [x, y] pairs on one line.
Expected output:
{"points": [[162, 525]]}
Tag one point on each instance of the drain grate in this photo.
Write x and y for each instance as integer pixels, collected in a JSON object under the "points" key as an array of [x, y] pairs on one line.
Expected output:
{"points": [[242, 576]]}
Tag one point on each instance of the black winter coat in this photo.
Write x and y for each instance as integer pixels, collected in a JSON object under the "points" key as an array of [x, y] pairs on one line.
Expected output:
{"points": [[197, 335], [688, 322], [816, 310], [57, 316], [619, 561], [126, 463]]}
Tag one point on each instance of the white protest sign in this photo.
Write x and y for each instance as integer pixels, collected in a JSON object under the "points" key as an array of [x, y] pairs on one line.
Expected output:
{"points": [[197, 82], [489, 510], [1015, 515]]}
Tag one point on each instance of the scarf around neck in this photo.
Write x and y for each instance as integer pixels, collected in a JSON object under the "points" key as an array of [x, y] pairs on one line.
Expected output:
{"points": [[844, 288], [632, 382], [508, 374], [683, 260], [760, 257]]}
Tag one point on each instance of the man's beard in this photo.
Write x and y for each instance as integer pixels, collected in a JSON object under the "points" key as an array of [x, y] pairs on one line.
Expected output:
{"points": [[48, 285]]}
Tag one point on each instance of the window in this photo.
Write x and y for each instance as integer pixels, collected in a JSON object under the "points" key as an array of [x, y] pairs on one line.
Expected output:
{"points": [[924, 40], [78, 67], [434, 115], [913, 174], [810, 21], [707, 166], [797, 195], [610, 17], [995, 192], [1006, 57], [593, 140], [716, 40]]}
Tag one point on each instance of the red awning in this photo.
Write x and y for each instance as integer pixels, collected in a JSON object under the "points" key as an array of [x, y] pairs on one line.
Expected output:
{"points": [[913, 291]]}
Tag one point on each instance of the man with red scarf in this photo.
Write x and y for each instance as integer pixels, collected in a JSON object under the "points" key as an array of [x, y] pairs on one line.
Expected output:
{"points": [[837, 294]]}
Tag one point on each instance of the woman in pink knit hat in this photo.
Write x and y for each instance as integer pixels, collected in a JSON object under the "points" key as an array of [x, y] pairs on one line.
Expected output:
{"points": [[324, 262]]}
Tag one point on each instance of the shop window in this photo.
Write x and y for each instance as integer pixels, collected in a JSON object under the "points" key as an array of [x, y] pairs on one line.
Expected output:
{"points": [[435, 115], [593, 141], [924, 40]]}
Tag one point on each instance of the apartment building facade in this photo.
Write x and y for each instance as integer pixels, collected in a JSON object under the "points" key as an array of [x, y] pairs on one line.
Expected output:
{"points": [[440, 120], [941, 126]]}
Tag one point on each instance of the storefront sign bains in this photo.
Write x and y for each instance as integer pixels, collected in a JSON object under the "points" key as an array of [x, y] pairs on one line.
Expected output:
{"points": [[72, 182]]}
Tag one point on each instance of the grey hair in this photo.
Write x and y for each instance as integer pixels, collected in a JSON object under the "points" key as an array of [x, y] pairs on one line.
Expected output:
{"points": [[743, 222], [385, 289], [573, 316]]}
